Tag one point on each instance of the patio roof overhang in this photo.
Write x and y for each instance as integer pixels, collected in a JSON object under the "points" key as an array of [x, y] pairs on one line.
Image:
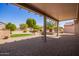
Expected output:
{"points": [[55, 11]]}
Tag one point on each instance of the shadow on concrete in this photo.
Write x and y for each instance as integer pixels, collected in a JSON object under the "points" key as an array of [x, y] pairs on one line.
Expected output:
{"points": [[63, 46]]}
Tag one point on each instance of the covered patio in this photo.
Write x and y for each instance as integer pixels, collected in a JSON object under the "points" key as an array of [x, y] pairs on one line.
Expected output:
{"points": [[55, 11], [61, 45]]}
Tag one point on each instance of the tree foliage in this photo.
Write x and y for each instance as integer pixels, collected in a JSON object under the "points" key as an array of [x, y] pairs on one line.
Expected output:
{"points": [[31, 22], [58, 27], [11, 26], [23, 26], [50, 25], [37, 28]]}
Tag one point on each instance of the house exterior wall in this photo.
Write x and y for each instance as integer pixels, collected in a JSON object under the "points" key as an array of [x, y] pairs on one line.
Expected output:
{"points": [[76, 21], [76, 27], [69, 28]]}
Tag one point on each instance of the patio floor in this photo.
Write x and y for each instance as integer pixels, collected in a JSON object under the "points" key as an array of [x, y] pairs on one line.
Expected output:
{"points": [[66, 45]]}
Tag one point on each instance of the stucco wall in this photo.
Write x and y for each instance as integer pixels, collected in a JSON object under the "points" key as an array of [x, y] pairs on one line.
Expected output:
{"points": [[69, 28], [76, 27]]}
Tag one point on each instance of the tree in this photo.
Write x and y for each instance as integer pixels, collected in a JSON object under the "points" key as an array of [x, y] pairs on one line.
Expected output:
{"points": [[40, 28], [23, 27], [60, 28], [36, 27], [50, 26], [11, 27], [31, 22]]}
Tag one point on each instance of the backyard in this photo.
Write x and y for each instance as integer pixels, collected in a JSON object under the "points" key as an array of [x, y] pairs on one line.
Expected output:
{"points": [[29, 33], [20, 35]]}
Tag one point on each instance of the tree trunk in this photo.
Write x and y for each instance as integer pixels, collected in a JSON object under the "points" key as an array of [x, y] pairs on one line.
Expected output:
{"points": [[50, 30], [10, 32]]}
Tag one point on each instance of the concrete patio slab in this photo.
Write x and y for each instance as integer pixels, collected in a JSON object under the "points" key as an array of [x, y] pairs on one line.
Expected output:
{"points": [[66, 45]]}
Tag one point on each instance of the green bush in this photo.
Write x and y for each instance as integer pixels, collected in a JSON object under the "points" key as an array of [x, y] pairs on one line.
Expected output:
{"points": [[23, 26]]}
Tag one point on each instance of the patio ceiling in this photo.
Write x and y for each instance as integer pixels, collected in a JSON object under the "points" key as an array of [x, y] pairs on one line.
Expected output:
{"points": [[56, 11]]}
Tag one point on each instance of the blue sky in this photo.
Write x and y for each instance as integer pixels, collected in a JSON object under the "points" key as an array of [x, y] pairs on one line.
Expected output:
{"points": [[64, 22], [16, 15]]}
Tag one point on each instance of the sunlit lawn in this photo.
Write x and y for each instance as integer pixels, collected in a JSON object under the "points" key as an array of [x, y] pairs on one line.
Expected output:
{"points": [[20, 35]]}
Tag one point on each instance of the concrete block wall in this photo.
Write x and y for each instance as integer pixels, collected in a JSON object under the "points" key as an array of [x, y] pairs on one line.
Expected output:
{"points": [[4, 33]]}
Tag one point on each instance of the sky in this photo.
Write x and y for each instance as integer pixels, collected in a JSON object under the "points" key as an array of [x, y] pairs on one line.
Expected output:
{"points": [[16, 15], [62, 23]]}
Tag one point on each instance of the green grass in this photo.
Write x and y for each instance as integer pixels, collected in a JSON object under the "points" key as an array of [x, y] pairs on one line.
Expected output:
{"points": [[20, 35]]}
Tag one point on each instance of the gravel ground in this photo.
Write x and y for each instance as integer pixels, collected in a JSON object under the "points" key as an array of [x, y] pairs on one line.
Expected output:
{"points": [[66, 45]]}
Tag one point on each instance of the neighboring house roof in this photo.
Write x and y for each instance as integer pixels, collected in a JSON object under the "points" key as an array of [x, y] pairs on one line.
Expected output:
{"points": [[1, 23]]}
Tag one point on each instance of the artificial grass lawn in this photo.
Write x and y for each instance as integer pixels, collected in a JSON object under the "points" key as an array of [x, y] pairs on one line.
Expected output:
{"points": [[20, 35]]}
